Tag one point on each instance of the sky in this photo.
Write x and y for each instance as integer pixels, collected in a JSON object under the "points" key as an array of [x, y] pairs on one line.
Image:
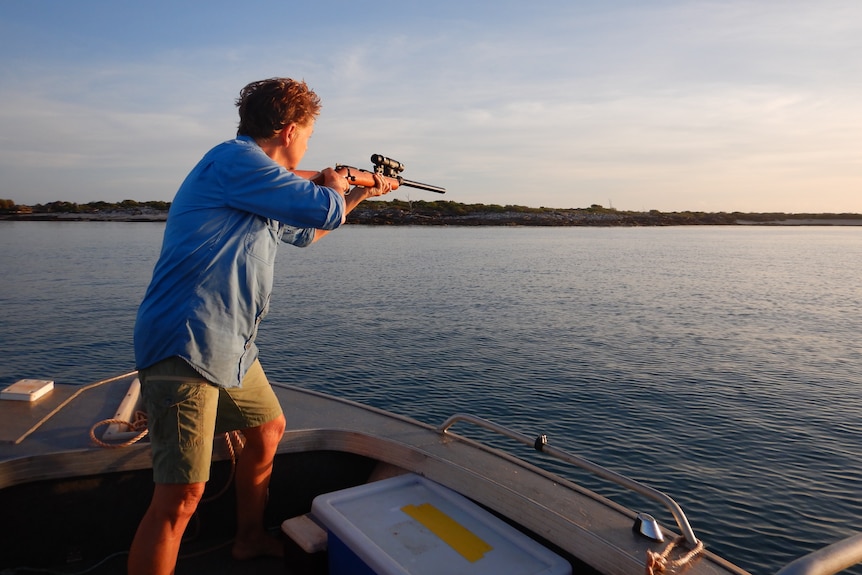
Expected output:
{"points": [[673, 105]]}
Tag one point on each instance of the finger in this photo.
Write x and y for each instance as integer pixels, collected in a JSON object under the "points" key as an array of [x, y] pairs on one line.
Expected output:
{"points": [[383, 185]]}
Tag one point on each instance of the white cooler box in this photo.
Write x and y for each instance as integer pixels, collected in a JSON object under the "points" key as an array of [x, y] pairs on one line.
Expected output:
{"points": [[410, 525]]}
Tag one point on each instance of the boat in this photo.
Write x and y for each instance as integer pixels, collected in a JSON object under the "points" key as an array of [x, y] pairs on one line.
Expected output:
{"points": [[75, 479]]}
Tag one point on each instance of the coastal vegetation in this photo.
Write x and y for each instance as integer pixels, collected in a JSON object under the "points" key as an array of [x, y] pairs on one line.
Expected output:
{"points": [[421, 212], [9, 206]]}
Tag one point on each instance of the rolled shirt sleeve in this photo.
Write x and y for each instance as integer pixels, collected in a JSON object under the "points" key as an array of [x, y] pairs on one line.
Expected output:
{"points": [[299, 237]]}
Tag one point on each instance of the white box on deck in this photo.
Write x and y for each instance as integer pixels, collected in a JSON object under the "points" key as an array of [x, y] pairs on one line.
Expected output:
{"points": [[27, 389], [410, 525]]}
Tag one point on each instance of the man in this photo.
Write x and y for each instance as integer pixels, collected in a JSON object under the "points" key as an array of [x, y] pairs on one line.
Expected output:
{"points": [[195, 330]]}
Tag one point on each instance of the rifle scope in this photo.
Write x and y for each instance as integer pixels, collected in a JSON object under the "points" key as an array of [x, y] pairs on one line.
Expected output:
{"points": [[386, 166], [392, 168]]}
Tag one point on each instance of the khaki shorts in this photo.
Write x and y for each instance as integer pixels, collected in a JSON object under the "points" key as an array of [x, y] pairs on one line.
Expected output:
{"points": [[185, 412]]}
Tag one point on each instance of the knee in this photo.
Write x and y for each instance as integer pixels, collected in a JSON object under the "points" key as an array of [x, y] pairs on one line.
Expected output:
{"points": [[272, 431], [177, 501], [192, 494], [266, 435], [276, 427], [186, 504]]}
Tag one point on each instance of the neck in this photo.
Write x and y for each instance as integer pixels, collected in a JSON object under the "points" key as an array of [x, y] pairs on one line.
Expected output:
{"points": [[273, 148], [268, 145]]}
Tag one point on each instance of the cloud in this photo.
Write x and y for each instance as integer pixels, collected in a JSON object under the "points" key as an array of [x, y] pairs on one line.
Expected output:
{"points": [[729, 105]]}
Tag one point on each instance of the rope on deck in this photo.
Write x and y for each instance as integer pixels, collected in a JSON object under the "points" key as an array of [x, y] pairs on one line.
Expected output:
{"points": [[139, 424], [657, 562]]}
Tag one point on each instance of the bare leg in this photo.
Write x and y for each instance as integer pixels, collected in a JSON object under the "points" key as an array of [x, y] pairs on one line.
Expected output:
{"points": [[253, 472], [157, 541]]}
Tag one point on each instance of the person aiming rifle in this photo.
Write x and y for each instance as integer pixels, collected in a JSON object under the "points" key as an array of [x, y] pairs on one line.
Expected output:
{"points": [[196, 326]]}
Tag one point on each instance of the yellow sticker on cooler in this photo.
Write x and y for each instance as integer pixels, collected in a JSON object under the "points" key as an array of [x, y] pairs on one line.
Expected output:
{"points": [[458, 537]]}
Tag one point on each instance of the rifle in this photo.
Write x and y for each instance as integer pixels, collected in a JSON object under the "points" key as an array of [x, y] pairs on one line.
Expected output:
{"points": [[387, 167]]}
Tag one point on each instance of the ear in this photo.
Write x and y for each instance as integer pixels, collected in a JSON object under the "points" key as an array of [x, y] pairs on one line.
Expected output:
{"points": [[287, 133]]}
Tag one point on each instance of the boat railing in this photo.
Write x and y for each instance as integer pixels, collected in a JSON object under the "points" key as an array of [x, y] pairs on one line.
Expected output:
{"points": [[540, 443], [826, 561], [831, 559]]}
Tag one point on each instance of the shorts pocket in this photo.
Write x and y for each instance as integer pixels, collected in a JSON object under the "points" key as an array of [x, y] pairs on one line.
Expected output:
{"points": [[179, 413]]}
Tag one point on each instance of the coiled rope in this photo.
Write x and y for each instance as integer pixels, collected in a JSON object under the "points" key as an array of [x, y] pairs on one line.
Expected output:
{"points": [[658, 562], [138, 423]]}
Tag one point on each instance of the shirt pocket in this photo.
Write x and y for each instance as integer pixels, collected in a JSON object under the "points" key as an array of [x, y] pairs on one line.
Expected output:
{"points": [[261, 240]]}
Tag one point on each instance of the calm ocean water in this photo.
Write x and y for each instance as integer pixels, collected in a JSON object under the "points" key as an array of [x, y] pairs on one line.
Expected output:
{"points": [[721, 365]]}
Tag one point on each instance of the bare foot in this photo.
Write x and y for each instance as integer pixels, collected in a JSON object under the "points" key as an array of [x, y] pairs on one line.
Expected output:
{"points": [[264, 545]]}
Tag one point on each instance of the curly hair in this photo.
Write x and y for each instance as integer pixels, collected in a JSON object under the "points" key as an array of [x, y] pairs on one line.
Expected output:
{"points": [[267, 106]]}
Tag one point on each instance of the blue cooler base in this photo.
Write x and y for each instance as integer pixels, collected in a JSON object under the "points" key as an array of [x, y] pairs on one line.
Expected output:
{"points": [[343, 560]]}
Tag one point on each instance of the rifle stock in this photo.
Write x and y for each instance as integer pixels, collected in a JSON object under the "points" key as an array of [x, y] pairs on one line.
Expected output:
{"points": [[386, 167]]}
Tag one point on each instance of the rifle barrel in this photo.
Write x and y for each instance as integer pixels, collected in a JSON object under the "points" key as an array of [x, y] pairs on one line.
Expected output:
{"points": [[421, 186]]}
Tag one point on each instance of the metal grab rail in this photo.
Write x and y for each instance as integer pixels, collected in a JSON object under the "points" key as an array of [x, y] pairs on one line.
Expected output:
{"points": [[540, 444], [829, 560]]}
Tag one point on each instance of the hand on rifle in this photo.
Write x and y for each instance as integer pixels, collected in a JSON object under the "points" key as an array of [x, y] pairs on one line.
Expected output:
{"points": [[332, 179], [381, 186]]}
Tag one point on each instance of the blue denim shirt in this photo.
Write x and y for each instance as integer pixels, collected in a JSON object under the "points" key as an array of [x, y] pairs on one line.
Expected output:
{"points": [[212, 283]]}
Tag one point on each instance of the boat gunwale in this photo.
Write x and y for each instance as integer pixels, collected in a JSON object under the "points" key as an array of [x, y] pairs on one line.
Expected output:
{"points": [[551, 507]]}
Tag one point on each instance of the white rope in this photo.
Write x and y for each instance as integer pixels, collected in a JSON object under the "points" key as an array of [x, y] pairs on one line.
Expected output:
{"points": [[658, 562]]}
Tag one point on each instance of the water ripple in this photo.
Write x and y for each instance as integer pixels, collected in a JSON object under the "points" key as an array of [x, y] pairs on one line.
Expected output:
{"points": [[721, 365]]}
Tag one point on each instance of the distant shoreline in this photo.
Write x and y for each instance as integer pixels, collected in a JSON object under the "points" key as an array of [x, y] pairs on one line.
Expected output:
{"points": [[806, 222], [422, 214], [156, 216]]}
